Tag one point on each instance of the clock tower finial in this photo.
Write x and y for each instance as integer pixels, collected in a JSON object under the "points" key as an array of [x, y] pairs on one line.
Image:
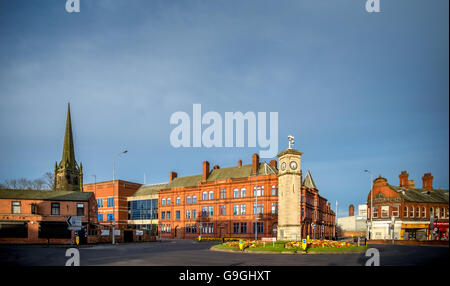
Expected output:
{"points": [[291, 141]]}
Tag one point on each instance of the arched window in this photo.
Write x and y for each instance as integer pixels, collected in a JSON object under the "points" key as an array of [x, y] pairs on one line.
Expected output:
{"points": [[211, 195], [204, 196], [411, 212], [405, 212], [424, 212]]}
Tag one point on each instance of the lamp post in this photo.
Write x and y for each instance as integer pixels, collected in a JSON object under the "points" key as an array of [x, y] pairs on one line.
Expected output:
{"points": [[371, 203], [393, 228], [114, 194]]}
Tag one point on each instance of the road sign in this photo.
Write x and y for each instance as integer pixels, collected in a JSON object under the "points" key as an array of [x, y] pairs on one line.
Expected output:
{"points": [[74, 228], [74, 221], [313, 225]]}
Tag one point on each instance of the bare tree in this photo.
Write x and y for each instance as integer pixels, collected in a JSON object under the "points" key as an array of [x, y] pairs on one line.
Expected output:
{"points": [[49, 180]]}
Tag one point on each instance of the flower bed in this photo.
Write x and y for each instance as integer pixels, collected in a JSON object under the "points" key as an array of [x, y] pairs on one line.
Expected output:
{"points": [[316, 243]]}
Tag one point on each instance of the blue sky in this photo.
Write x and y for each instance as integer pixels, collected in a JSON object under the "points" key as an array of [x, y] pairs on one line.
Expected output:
{"points": [[357, 90]]}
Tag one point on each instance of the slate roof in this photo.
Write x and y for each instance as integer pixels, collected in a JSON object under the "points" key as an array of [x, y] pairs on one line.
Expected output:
{"points": [[235, 172], [44, 195], [146, 190], [308, 182], [422, 195]]}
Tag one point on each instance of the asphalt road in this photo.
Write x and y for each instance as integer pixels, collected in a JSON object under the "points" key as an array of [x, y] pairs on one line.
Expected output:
{"points": [[192, 253]]}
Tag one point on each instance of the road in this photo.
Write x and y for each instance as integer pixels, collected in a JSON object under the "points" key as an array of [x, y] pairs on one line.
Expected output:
{"points": [[192, 253]]}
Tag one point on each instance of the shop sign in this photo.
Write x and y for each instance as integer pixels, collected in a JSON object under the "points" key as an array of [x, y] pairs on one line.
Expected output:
{"points": [[441, 224], [139, 232], [104, 232]]}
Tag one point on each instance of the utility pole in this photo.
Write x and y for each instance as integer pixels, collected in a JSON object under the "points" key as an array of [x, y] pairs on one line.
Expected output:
{"points": [[114, 194]]}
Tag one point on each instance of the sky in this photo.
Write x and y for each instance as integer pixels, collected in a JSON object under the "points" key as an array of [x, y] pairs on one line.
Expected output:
{"points": [[357, 90]]}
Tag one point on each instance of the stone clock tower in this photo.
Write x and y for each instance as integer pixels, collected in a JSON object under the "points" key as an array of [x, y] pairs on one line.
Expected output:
{"points": [[289, 193]]}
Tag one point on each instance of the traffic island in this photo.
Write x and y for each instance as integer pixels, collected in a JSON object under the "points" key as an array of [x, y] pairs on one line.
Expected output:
{"points": [[291, 247]]}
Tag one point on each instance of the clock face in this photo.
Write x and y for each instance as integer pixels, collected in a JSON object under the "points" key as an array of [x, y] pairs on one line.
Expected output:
{"points": [[293, 165], [283, 166]]}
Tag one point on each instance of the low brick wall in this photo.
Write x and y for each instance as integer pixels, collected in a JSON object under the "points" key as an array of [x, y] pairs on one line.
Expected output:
{"points": [[409, 242]]}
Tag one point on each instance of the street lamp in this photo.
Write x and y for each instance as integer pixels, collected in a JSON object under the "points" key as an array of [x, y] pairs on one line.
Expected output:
{"points": [[393, 228], [371, 203], [114, 194]]}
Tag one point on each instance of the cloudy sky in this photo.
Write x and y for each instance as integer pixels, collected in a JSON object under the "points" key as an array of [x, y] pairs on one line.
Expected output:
{"points": [[358, 90]]}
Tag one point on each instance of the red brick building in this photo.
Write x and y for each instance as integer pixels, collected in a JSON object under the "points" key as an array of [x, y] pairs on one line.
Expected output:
{"points": [[103, 192], [28, 216], [410, 207], [239, 201]]}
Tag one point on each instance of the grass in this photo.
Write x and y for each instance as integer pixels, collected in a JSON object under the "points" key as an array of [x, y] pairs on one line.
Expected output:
{"points": [[279, 247]]}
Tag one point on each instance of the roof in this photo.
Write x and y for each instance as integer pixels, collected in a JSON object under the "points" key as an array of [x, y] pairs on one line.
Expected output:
{"points": [[44, 195], [308, 182], [146, 190], [222, 174], [422, 195], [290, 151]]}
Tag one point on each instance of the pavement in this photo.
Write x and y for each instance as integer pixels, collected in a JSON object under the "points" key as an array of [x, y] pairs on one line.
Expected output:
{"points": [[193, 253]]}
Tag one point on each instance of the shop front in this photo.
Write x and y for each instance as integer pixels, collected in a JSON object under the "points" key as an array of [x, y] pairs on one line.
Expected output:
{"points": [[414, 231], [441, 229]]}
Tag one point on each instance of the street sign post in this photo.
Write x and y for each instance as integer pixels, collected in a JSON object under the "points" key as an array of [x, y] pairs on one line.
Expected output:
{"points": [[74, 222]]}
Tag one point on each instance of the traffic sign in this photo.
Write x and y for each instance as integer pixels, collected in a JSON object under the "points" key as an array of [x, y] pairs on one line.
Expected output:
{"points": [[74, 221]]}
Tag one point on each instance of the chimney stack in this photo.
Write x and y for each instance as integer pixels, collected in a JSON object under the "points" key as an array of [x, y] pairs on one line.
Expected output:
{"points": [[427, 182], [404, 179], [351, 210], [411, 184], [240, 163], [273, 163], [205, 171], [173, 175], [255, 163]]}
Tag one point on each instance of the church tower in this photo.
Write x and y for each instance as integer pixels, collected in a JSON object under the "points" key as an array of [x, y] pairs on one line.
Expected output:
{"points": [[289, 192], [68, 174]]}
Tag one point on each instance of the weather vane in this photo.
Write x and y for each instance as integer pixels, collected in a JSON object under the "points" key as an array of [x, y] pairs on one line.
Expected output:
{"points": [[291, 141]]}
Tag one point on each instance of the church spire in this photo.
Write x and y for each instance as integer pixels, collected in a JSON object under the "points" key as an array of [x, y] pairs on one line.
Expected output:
{"points": [[68, 155]]}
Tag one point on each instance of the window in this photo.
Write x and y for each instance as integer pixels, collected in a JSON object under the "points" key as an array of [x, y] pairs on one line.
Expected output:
{"points": [[188, 200], [405, 211], [204, 196], [168, 201], [210, 228], [100, 203], [259, 227], [236, 227], [395, 211], [194, 199], [258, 191], [442, 215], [177, 215], [375, 211], [258, 208], [424, 212], [204, 211], [244, 227], [15, 207], [178, 201], [168, 215], [431, 212], [188, 214], [194, 214], [417, 211], [33, 208], [163, 215], [275, 208], [210, 211], [243, 193], [303, 212], [110, 217], [55, 208], [243, 209], [411, 212], [274, 190], [211, 195], [110, 202], [236, 193], [223, 193], [188, 228], [222, 210], [100, 217], [384, 211], [80, 209], [235, 209], [315, 201], [194, 228], [303, 198], [163, 202]]}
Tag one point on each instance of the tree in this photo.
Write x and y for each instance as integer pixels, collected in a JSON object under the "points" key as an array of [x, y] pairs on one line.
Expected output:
{"points": [[49, 180], [46, 182]]}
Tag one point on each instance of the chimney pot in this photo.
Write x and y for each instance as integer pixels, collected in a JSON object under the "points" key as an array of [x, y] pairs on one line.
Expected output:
{"points": [[273, 163], [205, 171], [351, 210], [216, 167], [255, 163], [173, 175], [427, 182], [240, 163], [404, 182]]}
